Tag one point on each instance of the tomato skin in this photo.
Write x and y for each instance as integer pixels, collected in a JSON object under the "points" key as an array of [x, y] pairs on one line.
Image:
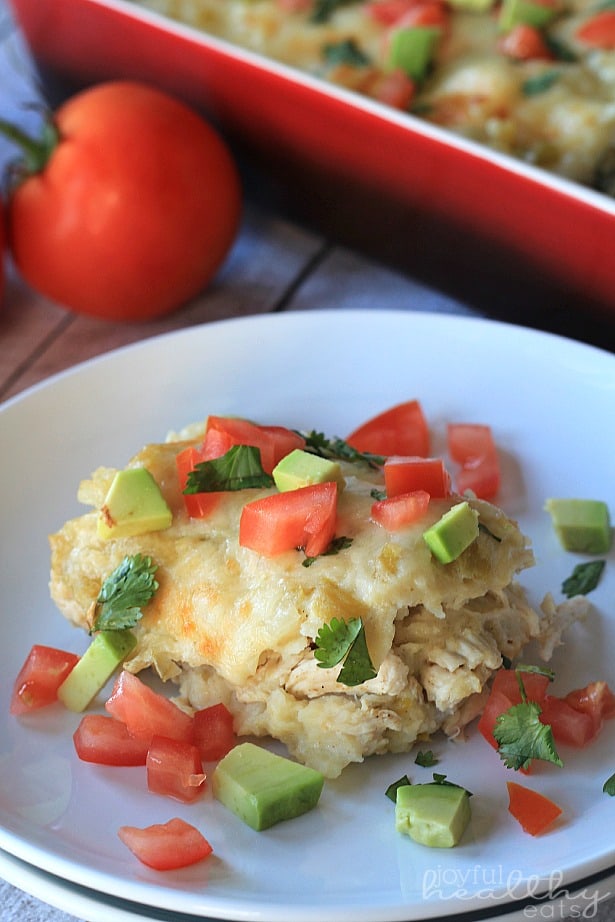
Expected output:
{"points": [[405, 475], [596, 699], [400, 430], [303, 518], [135, 209], [106, 741], [174, 769], [166, 846], [214, 733], [147, 713], [38, 680], [532, 810], [569, 726]]}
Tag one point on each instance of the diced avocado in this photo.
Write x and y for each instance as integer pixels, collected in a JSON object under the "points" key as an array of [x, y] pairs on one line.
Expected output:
{"points": [[524, 12], [453, 533], [432, 814], [105, 653], [134, 505], [412, 49], [301, 469], [581, 525], [263, 788]]}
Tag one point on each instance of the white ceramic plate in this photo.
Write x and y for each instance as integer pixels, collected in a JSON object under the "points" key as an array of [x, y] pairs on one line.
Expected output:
{"points": [[550, 402]]}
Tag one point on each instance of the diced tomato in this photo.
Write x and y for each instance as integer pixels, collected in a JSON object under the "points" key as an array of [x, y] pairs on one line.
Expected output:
{"points": [[145, 712], [106, 741], [497, 703], [166, 846], [405, 475], [273, 442], [427, 13], [40, 677], [525, 43], [174, 769], [473, 447], [295, 6], [400, 430], [397, 511], [303, 518], [198, 505], [505, 693], [598, 31], [283, 441], [569, 727], [595, 699], [213, 732], [387, 12], [532, 810], [393, 88]]}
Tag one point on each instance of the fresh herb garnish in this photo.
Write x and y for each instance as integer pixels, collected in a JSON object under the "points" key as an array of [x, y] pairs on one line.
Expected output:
{"points": [[124, 593], [337, 545], [609, 786], [377, 494], [425, 759], [391, 791], [345, 641], [239, 469], [540, 83], [337, 448], [442, 779], [583, 578], [324, 9], [521, 736], [345, 52]]}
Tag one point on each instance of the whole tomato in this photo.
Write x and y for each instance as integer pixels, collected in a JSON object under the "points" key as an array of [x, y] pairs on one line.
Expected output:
{"points": [[133, 209]]}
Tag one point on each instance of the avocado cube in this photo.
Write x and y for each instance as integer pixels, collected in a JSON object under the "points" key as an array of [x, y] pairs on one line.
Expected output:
{"points": [[581, 525], [412, 49], [453, 533], [524, 12], [134, 505], [435, 815], [263, 788], [105, 653], [302, 468]]}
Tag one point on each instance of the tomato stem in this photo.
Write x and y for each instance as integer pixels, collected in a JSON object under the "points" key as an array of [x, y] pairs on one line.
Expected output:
{"points": [[37, 151]]}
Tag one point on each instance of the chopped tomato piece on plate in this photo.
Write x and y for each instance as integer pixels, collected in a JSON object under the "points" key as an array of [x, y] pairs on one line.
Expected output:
{"points": [[532, 810], [569, 726], [39, 678], [174, 769], [397, 511], [303, 518], [525, 43], [598, 31], [198, 505], [273, 442], [473, 447], [147, 713], [387, 12], [106, 741], [505, 693], [400, 430], [407, 474], [595, 699], [166, 846], [214, 733]]}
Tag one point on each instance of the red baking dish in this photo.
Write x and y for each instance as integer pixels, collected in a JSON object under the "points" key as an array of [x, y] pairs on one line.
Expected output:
{"points": [[333, 149]]}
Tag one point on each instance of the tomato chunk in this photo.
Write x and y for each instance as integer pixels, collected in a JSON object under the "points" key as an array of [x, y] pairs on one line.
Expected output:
{"points": [[407, 474], [397, 511], [532, 810], [106, 741], [473, 447], [213, 732], [569, 726], [198, 505], [166, 846], [273, 442], [39, 678], [400, 430], [174, 769], [147, 713], [303, 518], [596, 699], [598, 31], [505, 693]]}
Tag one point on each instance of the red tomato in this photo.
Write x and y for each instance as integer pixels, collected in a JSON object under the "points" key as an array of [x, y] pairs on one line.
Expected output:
{"points": [[397, 511], [198, 505], [174, 769], [394, 88], [497, 703], [40, 677], [133, 211], [472, 446], [595, 699], [303, 518], [213, 732], [166, 846], [532, 810], [525, 43], [273, 442], [388, 12], [405, 475], [569, 726], [147, 713], [427, 13], [106, 741], [505, 693], [401, 430], [598, 31]]}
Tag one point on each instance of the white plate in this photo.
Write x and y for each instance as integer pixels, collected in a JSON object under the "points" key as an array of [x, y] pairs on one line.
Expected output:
{"points": [[550, 402]]}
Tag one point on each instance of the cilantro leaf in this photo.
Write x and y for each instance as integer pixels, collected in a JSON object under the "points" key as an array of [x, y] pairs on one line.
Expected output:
{"points": [[609, 786], [425, 759], [124, 593], [391, 791], [345, 641], [239, 469], [337, 545], [521, 736], [337, 448], [442, 779], [583, 578], [345, 52]]}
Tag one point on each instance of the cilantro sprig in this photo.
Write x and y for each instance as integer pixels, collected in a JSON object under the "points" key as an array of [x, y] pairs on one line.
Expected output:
{"points": [[609, 786], [583, 578], [520, 734], [344, 642], [338, 449], [124, 594], [239, 469]]}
